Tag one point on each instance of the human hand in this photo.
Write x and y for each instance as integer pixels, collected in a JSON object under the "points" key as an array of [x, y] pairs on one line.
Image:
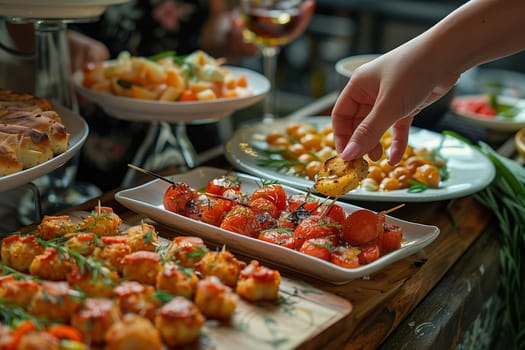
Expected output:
{"points": [[84, 49], [387, 92]]}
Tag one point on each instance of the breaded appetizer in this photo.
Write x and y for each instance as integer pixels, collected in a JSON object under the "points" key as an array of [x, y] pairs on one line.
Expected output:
{"points": [[54, 301], [214, 299], [186, 250], [95, 317], [258, 283], [337, 176], [142, 237], [102, 222], [222, 265], [176, 280], [179, 322], [141, 266], [19, 251], [55, 226], [133, 332]]}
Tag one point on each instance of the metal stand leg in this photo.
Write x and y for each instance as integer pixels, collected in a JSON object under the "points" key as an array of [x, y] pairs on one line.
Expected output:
{"points": [[38, 203]]}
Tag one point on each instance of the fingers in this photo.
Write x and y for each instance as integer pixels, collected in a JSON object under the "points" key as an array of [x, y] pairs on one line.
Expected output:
{"points": [[400, 132]]}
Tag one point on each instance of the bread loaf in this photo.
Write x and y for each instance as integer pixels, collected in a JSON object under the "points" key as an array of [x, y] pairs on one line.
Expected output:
{"points": [[43, 122], [31, 146], [31, 131]]}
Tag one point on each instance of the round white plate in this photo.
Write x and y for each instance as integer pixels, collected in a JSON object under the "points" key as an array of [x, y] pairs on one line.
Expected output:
{"points": [[133, 109], [469, 170], [78, 129], [147, 199], [55, 9], [497, 123]]}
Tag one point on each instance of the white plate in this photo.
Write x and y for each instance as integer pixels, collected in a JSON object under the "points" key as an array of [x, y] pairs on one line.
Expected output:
{"points": [[469, 170], [55, 9], [143, 110], [497, 123], [78, 129], [148, 199]]}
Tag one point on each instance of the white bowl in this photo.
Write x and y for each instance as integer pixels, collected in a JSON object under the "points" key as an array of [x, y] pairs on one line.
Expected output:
{"points": [[346, 66]]}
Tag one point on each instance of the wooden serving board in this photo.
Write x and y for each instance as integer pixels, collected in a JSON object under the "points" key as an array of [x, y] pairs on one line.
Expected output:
{"points": [[301, 312]]}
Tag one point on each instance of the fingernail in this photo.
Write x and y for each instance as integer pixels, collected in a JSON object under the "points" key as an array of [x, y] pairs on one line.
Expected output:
{"points": [[351, 151]]}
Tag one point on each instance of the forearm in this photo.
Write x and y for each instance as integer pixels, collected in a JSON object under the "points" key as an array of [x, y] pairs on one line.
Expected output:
{"points": [[477, 32]]}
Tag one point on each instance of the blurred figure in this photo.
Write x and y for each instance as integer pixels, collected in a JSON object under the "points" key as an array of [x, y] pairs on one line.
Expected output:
{"points": [[390, 90]]}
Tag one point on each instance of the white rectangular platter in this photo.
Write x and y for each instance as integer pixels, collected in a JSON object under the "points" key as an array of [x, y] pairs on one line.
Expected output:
{"points": [[147, 199]]}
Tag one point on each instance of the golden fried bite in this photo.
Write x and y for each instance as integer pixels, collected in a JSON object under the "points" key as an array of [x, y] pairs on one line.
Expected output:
{"points": [[176, 280], [258, 283], [51, 265], [17, 292], [102, 221], [54, 301], [133, 332], [337, 176], [97, 283], [133, 297], [141, 266], [179, 322], [82, 243], [142, 237], [186, 250], [94, 318], [38, 340], [214, 299], [19, 251], [55, 226], [221, 264], [112, 251]]}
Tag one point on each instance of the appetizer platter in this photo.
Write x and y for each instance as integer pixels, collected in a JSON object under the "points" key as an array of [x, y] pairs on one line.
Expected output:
{"points": [[457, 170], [165, 204], [166, 87], [36, 137], [498, 113], [87, 280]]}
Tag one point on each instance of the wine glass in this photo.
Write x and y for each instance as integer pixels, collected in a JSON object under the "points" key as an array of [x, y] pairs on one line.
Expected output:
{"points": [[271, 24]]}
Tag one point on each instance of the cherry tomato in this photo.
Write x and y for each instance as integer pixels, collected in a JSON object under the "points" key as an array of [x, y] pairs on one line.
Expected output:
{"points": [[279, 236], [231, 198], [335, 212], [391, 239], [369, 253], [315, 227], [318, 247], [286, 220], [274, 193], [297, 200], [345, 256], [205, 209], [223, 183], [177, 196], [265, 211], [362, 226], [241, 220]]}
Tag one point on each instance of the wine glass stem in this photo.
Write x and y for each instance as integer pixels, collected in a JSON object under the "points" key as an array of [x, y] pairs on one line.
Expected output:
{"points": [[270, 71]]}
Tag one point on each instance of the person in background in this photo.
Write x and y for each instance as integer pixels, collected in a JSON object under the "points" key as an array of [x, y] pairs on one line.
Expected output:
{"points": [[390, 90], [145, 28]]}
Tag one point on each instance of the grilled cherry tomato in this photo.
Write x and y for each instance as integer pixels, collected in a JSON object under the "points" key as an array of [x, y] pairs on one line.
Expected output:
{"points": [[391, 240], [177, 196], [345, 256], [299, 200], [362, 226], [369, 253], [206, 209], [315, 227], [279, 236], [265, 211], [335, 212], [241, 220], [223, 183], [318, 247], [275, 193]]}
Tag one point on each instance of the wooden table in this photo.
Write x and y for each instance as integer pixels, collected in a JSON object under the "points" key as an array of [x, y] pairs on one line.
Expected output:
{"points": [[383, 309]]}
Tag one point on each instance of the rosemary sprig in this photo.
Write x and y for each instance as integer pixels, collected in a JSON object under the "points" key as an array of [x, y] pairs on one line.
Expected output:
{"points": [[13, 314], [416, 186], [96, 267]]}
